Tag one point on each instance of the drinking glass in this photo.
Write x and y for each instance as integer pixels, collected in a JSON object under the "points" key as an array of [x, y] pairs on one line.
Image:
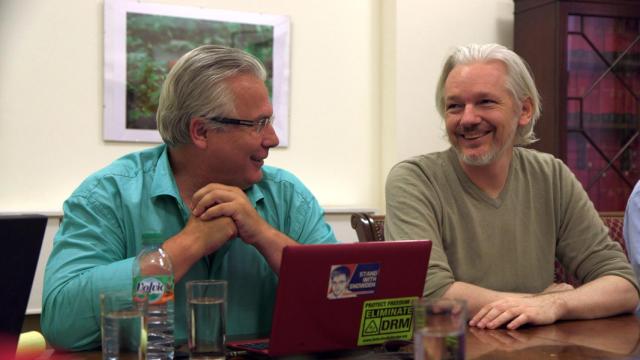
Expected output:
{"points": [[206, 301], [124, 333], [439, 332]]}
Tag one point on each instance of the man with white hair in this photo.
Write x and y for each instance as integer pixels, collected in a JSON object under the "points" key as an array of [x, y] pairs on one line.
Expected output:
{"points": [[499, 214], [224, 214]]}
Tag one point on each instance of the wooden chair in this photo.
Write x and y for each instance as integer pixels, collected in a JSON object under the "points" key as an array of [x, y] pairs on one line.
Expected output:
{"points": [[614, 221], [371, 228], [368, 227]]}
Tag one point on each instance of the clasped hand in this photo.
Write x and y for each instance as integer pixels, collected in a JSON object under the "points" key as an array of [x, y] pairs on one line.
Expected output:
{"points": [[515, 311], [217, 200]]}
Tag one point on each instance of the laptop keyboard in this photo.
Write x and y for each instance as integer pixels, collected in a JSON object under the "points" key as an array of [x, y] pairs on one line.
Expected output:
{"points": [[257, 345]]}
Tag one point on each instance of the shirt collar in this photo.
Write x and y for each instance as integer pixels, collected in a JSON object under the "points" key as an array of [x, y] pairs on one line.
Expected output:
{"points": [[254, 193], [164, 183]]}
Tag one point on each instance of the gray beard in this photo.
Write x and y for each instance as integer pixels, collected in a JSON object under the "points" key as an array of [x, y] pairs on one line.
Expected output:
{"points": [[482, 160]]}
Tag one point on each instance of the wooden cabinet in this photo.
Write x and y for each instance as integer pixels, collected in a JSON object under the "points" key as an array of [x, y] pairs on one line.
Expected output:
{"points": [[585, 56]]}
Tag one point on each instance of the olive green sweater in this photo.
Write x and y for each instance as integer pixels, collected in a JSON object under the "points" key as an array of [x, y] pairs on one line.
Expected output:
{"points": [[505, 244]]}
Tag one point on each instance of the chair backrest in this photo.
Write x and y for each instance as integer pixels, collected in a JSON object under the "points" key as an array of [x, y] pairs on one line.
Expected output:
{"points": [[368, 227], [371, 228], [614, 220]]}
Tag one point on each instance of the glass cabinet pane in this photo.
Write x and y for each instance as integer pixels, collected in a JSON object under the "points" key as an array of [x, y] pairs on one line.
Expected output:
{"points": [[603, 83]]}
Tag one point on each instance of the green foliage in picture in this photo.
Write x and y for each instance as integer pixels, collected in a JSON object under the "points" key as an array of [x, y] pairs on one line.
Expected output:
{"points": [[155, 42]]}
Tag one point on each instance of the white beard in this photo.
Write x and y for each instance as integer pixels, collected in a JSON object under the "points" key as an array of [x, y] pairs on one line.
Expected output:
{"points": [[477, 160]]}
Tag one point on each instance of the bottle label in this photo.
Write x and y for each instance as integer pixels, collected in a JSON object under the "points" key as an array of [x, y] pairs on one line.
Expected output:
{"points": [[158, 288]]}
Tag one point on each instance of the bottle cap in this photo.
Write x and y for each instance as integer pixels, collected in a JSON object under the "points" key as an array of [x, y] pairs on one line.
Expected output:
{"points": [[152, 238]]}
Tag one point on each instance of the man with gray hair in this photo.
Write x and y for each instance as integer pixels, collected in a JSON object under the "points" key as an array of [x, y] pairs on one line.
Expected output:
{"points": [[499, 214], [224, 213]]}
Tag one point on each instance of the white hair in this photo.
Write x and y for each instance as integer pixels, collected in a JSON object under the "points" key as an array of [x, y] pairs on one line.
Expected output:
{"points": [[196, 86], [519, 81]]}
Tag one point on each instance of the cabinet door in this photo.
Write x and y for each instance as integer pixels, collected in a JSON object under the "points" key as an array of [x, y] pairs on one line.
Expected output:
{"points": [[603, 106]]}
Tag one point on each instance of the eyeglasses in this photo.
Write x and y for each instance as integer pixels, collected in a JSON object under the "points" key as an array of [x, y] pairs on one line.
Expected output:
{"points": [[258, 125]]}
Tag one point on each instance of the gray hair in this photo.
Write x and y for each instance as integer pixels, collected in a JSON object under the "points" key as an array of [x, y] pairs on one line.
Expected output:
{"points": [[196, 86], [519, 80]]}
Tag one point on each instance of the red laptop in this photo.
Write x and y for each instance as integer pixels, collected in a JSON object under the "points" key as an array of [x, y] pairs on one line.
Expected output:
{"points": [[341, 296]]}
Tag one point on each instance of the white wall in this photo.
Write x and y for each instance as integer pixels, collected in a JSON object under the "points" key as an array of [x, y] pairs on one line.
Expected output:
{"points": [[425, 33], [51, 98], [362, 82]]}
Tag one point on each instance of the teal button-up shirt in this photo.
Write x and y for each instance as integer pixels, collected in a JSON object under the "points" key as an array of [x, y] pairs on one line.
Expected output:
{"points": [[104, 220]]}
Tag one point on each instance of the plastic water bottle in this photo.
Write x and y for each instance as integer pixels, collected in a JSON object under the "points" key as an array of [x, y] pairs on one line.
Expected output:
{"points": [[153, 278]]}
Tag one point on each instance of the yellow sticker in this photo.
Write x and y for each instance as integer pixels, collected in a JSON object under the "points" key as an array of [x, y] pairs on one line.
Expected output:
{"points": [[386, 319]]}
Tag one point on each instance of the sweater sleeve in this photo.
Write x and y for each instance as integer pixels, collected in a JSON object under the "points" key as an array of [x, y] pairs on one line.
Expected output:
{"points": [[414, 211], [584, 246], [88, 258]]}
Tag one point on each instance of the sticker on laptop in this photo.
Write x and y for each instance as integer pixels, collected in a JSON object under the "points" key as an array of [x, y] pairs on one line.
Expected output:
{"points": [[386, 319], [351, 280]]}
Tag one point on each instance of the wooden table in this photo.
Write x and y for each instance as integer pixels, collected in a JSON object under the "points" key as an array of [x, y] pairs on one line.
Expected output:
{"points": [[611, 338]]}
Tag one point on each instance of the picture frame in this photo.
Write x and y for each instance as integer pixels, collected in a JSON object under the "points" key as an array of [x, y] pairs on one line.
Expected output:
{"points": [[143, 40]]}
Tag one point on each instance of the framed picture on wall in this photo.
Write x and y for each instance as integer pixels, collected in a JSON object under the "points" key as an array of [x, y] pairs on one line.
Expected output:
{"points": [[143, 40]]}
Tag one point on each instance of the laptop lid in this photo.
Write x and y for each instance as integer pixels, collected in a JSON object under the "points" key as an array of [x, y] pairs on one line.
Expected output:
{"points": [[21, 235], [341, 296]]}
